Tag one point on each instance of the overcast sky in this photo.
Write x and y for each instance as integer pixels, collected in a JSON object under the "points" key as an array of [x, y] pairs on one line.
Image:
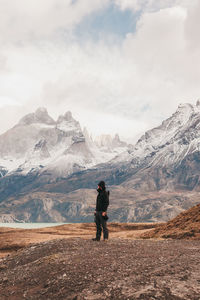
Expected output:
{"points": [[118, 65]]}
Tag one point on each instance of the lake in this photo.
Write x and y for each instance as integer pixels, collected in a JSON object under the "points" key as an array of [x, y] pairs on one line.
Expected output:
{"points": [[30, 225]]}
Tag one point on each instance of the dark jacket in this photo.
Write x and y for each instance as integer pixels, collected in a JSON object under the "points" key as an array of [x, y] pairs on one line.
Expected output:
{"points": [[102, 200]]}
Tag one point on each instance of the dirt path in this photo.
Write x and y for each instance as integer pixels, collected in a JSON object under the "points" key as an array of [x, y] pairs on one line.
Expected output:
{"points": [[77, 268]]}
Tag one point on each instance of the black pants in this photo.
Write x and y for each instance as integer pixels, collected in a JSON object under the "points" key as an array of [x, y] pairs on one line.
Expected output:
{"points": [[101, 223]]}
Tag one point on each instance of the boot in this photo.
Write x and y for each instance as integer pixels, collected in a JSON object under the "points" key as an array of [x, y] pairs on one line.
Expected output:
{"points": [[96, 239]]}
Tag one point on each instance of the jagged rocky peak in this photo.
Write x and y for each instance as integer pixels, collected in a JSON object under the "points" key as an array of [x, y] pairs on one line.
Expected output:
{"points": [[39, 116], [166, 132], [187, 107], [117, 142], [185, 113], [66, 117], [66, 122], [184, 110], [106, 140], [103, 140], [88, 137], [184, 106]]}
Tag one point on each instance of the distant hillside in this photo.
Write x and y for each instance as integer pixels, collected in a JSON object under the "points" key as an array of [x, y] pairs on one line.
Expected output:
{"points": [[185, 225]]}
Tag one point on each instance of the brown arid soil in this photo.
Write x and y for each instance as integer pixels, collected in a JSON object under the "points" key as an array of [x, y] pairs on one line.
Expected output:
{"points": [[64, 263], [186, 225], [14, 239], [77, 268]]}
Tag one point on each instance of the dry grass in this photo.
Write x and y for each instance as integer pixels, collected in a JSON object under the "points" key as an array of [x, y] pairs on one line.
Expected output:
{"points": [[185, 226]]}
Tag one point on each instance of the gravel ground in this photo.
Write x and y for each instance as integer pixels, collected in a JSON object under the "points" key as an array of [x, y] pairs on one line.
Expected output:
{"points": [[118, 269]]}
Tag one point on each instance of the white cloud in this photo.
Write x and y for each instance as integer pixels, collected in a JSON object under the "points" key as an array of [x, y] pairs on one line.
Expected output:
{"points": [[192, 26], [126, 88], [130, 4], [166, 69], [22, 20], [152, 5], [7, 101], [3, 63]]}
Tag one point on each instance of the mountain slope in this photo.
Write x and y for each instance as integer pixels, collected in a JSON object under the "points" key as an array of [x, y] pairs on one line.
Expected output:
{"points": [[185, 225], [166, 157]]}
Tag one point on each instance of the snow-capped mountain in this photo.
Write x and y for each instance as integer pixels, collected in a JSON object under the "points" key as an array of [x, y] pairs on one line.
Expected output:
{"points": [[164, 158], [49, 169], [38, 143], [160, 157], [175, 138], [168, 143]]}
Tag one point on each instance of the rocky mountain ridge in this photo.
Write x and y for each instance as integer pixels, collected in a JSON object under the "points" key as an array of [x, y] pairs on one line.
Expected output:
{"points": [[165, 160], [40, 144], [170, 153]]}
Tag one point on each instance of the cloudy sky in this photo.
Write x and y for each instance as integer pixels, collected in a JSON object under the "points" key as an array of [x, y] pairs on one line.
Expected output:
{"points": [[117, 65]]}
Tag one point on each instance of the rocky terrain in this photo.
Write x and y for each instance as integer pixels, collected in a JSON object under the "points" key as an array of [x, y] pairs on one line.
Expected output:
{"points": [[76, 268], [135, 263]]}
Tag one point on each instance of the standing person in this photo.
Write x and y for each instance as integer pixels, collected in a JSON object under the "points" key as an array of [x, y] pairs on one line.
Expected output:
{"points": [[101, 217]]}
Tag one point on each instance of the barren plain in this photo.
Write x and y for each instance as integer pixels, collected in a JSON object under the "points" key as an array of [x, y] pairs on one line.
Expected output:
{"points": [[64, 263]]}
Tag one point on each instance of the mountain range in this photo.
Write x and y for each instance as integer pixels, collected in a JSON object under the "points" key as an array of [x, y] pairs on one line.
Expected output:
{"points": [[38, 143], [49, 169]]}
